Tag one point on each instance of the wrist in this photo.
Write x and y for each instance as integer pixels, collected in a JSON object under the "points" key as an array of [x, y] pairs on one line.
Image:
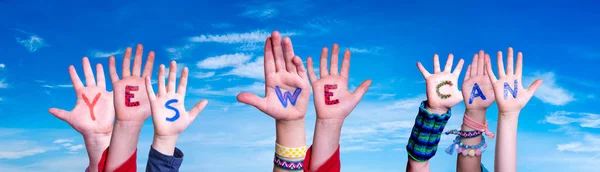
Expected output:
{"points": [[129, 125], [436, 109], [165, 144], [477, 115], [291, 133], [512, 117], [330, 123]]}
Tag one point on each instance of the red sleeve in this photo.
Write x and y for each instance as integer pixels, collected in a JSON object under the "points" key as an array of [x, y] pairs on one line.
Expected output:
{"points": [[127, 166], [333, 164]]}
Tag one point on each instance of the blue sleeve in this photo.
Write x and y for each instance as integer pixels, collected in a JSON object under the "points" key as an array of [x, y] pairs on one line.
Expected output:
{"points": [[161, 162]]}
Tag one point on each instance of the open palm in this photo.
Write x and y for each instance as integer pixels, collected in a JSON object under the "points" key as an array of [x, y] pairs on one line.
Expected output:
{"points": [[478, 97], [94, 111], [131, 99], [286, 84], [168, 111], [332, 98], [442, 88], [504, 87]]}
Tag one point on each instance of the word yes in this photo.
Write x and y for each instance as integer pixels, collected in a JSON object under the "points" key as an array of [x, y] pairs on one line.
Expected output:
{"points": [[440, 85], [91, 105], [168, 106], [129, 96], [328, 94], [287, 95], [476, 92]]}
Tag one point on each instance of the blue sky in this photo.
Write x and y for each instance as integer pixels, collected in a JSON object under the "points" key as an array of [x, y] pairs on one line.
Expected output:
{"points": [[221, 42]]}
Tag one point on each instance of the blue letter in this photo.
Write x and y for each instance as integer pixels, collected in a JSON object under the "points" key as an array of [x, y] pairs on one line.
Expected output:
{"points": [[287, 95], [476, 92], [172, 108], [512, 91]]}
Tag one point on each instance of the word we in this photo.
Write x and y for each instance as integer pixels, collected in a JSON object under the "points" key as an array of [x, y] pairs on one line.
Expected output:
{"points": [[507, 88], [440, 85], [329, 94], [476, 92], [168, 106], [129, 96], [91, 105], [287, 95]]}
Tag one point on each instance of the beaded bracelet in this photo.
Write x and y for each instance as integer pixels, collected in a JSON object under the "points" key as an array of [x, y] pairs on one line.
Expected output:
{"points": [[426, 133], [286, 152], [464, 134], [465, 149], [285, 164]]}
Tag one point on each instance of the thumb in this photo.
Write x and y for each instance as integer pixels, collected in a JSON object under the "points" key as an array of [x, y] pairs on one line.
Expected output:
{"points": [[197, 109], [362, 89], [534, 86], [59, 113], [252, 99]]}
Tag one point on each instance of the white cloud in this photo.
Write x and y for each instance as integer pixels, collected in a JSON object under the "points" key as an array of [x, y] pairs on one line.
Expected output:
{"points": [[59, 141], [322, 24], [58, 86], [236, 38], [202, 75], [2, 66], [263, 13], [587, 120], [590, 143], [257, 88], [21, 153], [31, 41], [384, 96], [3, 84], [179, 52], [227, 60], [364, 50], [104, 54], [250, 47], [76, 147], [549, 92], [254, 69], [410, 103]]}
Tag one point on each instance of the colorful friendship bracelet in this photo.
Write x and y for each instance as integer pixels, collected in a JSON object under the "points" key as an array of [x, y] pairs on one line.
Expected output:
{"points": [[290, 165], [464, 134], [477, 126], [465, 149], [426, 133], [286, 152]]}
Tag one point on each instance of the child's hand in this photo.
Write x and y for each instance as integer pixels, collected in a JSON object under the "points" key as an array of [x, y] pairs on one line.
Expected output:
{"points": [[442, 88], [94, 111], [477, 89], [332, 98], [511, 95]]}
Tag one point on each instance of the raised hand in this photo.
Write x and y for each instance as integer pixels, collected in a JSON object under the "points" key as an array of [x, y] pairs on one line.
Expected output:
{"points": [[332, 98], [512, 97], [94, 113], [168, 112], [477, 88], [286, 85], [442, 88]]}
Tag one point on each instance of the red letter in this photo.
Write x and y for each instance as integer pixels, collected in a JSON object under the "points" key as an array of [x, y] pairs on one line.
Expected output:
{"points": [[91, 105], [328, 95], [129, 95]]}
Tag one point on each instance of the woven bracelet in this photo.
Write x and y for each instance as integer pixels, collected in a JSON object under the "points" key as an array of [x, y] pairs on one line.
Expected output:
{"points": [[285, 164], [293, 153], [464, 134], [426, 133]]}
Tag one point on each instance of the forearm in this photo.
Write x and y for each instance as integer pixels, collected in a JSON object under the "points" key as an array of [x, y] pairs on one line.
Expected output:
{"points": [[326, 141], [123, 143], [165, 144], [424, 138], [95, 144], [506, 143], [471, 163], [415, 166], [290, 134]]}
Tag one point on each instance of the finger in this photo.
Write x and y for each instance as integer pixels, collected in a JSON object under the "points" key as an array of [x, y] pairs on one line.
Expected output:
{"points": [[75, 79], [183, 82], [424, 71], [475, 65], [481, 62], [149, 65], [449, 62], [88, 73], [59, 113], [149, 89], [197, 109], [112, 70], [278, 51], [534, 86], [323, 63], [344, 72], [362, 89], [299, 67], [519, 69], [501, 72], [126, 60], [268, 57], [172, 77], [100, 81], [491, 75], [289, 55], [487, 61], [468, 74], [137, 60], [334, 60], [311, 70], [459, 67], [161, 81], [252, 99], [436, 63], [509, 62]]}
